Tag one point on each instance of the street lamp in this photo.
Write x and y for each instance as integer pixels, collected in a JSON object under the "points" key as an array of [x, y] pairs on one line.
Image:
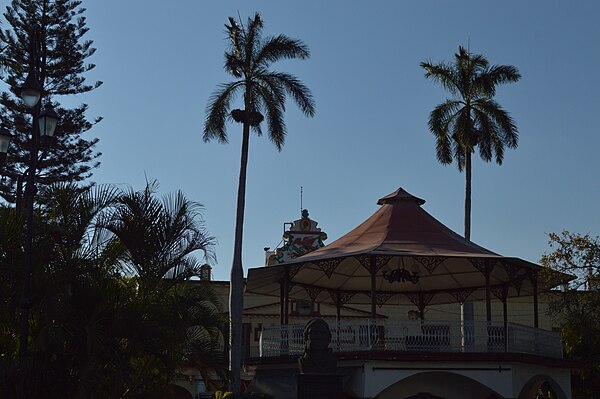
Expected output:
{"points": [[43, 125], [31, 91], [47, 122], [5, 137]]}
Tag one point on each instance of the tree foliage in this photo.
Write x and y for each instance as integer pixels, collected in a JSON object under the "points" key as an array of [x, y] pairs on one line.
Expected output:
{"points": [[471, 117], [248, 59], [98, 328], [64, 53], [577, 307]]}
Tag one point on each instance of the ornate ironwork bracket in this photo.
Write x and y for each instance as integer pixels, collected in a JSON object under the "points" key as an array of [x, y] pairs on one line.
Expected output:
{"points": [[421, 299], [484, 265], [328, 266], [462, 295], [500, 292], [380, 261], [294, 269], [382, 298], [313, 292], [340, 298], [430, 262]]}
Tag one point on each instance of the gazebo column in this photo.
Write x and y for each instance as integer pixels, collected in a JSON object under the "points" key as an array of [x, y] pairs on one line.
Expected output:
{"points": [[534, 283], [284, 291], [338, 315], [488, 301], [281, 302], [421, 306], [505, 311], [485, 267], [501, 292], [505, 315], [373, 289], [286, 306]]}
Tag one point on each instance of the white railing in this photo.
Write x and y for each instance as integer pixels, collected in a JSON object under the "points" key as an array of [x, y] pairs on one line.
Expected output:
{"points": [[416, 336]]}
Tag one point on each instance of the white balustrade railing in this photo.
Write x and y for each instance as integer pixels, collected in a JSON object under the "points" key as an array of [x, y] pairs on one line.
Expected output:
{"points": [[416, 336]]}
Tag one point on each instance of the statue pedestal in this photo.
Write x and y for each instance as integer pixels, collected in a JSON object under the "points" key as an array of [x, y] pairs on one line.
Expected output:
{"points": [[319, 386]]}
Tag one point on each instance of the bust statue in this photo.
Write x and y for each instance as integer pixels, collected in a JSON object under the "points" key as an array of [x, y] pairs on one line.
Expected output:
{"points": [[318, 358]]}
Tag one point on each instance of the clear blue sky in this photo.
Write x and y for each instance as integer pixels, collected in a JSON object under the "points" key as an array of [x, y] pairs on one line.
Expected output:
{"points": [[160, 61]]}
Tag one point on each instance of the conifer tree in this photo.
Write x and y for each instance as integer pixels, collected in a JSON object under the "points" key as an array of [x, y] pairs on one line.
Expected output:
{"points": [[64, 53]]}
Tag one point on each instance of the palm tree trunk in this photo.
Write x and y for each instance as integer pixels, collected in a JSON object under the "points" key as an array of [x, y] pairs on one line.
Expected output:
{"points": [[468, 195], [236, 288]]}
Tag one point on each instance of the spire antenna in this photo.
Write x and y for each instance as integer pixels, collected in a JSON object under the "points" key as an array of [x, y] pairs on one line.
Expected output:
{"points": [[301, 189]]}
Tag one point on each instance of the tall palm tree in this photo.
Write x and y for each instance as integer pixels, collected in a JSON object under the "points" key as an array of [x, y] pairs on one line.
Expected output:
{"points": [[471, 118], [248, 59]]}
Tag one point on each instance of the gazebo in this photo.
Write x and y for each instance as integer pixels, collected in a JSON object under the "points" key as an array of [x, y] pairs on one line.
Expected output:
{"points": [[401, 254]]}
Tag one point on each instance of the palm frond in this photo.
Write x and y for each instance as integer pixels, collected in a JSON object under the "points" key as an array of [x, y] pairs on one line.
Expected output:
{"points": [[233, 64], [252, 34], [440, 121], [295, 88], [507, 128], [278, 48], [459, 155], [495, 75], [442, 74], [487, 132], [274, 112], [218, 111], [235, 38], [461, 134]]}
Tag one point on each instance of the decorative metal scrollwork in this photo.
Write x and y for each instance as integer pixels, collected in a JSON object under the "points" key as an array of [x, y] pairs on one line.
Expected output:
{"points": [[430, 262], [420, 299], [462, 295], [484, 265], [381, 261], [365, 261], [511, 270], [294, 269], [313, 292], [500, 292], [382, 297], [328, 266], [518, 283], [340, 297]]}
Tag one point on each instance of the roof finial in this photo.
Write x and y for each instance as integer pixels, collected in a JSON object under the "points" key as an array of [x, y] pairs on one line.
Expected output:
{"points": [[400, 195]]}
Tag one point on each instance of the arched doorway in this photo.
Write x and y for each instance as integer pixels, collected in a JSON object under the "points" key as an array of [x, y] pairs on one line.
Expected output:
{"points": [[542, 387], [437, 385], [178, 392]]}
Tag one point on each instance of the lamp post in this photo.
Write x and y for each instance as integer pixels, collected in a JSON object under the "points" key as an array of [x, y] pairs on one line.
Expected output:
{"points": [[5, 137], [43, 125]]}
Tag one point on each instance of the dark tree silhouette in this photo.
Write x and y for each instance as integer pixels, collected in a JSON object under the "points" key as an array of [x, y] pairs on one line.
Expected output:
{"points": [[471, 118], [64, 53], [264, 93]]}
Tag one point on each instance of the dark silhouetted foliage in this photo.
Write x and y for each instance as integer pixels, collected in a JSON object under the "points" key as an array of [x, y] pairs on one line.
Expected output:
{"points": [[577, 307], [65, 53], [471, 118]]}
